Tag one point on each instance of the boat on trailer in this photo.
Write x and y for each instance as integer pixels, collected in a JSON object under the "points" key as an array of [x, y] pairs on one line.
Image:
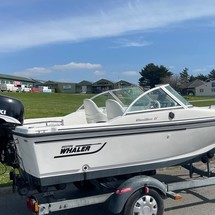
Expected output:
{"points": [[118, 132]]}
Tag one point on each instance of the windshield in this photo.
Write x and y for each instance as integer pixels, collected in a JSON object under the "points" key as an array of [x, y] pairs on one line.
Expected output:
{"points": [[125, 96], [178, 96], [153, 99], [134, 99]]}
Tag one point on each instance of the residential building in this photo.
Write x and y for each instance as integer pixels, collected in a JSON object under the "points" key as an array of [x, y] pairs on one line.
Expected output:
{"points": [[190, 87], [16, 80], [84, 87], [122, 84], [102, 85], [207, 89], [60, 87]]}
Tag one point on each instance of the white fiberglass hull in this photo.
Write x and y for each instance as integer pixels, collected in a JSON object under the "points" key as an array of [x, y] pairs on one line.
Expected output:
{"points": [[90, 152]]}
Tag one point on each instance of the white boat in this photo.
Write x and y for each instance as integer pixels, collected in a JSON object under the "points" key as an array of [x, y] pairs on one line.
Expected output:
{"points": [[118, 132]]}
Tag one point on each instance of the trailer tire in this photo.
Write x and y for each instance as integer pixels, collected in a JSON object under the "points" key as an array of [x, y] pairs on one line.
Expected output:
{"points": [[141, 203]]}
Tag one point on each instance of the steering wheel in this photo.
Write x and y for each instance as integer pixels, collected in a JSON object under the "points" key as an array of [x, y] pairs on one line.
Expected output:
{"points": [[155, 104]]}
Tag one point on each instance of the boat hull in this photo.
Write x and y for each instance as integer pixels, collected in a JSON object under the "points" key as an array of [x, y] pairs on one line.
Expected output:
{"points": [[102, 151]]}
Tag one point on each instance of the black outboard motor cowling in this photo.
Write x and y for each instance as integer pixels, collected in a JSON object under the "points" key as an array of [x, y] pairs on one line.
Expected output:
{"points": [[10, 108]]}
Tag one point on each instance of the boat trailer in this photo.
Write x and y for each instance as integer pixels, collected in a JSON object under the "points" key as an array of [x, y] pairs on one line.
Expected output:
{"points": [[142, 195]]}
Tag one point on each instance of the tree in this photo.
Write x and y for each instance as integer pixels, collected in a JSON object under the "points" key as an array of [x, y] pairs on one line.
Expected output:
{"points": [[174, 81], [211, 75], [153, 75], [202, 77], [192, 78], [184, 76]]}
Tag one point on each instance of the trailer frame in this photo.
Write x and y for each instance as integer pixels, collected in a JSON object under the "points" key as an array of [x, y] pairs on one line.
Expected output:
{"points": [[119, 198]]}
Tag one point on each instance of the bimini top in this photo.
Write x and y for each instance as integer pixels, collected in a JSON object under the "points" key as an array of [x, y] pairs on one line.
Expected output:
{"points": [[135, 99]]}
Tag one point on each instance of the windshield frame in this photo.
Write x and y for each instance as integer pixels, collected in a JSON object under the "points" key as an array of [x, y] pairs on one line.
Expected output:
{"points": [[113, 94], [174, 95]]}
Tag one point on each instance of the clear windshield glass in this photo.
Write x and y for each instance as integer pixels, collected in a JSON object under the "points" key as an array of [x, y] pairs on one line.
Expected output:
{"points": [[127, 95], [178, 96], [124, 96], [134, 99], [152, 100], [100, 100]]}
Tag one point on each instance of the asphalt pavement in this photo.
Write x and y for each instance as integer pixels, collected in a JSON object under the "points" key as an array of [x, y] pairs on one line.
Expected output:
{"points": [[198, 201]]}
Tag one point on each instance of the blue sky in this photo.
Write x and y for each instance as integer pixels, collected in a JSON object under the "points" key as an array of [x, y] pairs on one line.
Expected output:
{"points": [[75, 40]]}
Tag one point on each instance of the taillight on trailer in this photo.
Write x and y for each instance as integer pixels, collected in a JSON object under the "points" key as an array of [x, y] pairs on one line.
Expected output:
{"points": [[146, 189], [32, 205], [123, 190]]}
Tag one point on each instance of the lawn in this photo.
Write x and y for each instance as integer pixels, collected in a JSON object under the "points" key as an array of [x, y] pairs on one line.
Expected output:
{"points": [[201, 101], [48, 104]]}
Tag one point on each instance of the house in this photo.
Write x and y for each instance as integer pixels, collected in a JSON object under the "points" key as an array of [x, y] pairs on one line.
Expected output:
{"points": [[60, 87], [84, 87], [122, 84], [190, 87], [102, 85], [207, 89], [16, 80]]}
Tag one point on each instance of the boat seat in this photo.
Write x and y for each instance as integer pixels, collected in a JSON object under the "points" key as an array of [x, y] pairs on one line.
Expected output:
{"points": [[93, 113], [113, 109]]}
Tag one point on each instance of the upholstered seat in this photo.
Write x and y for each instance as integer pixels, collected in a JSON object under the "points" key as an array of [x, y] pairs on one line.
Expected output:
{"points": [[93, 113], [113, 109]]}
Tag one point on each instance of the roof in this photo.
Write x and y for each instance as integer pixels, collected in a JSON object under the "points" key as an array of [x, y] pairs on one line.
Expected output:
{"points": [[38, 81], [18, 78], [56, 82], [124, 82], [103, 82], [193, 84], [196, 83], [84, 82]]}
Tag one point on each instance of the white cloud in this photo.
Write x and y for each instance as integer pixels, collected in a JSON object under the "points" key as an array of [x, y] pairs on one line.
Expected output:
{"points": [[36, 71], [211, 66], [33, 72], [73, 65], [131, 43], [130, 73], [204, 70], [200, 70], [131, 16], [99, 73]]}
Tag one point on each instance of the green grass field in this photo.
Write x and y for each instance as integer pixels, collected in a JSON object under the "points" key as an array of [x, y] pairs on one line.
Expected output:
{"points": [[47, 105], [201, 101]]}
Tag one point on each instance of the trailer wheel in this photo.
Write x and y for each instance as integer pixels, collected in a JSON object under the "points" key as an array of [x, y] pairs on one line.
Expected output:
{"points": [[140, 203]]}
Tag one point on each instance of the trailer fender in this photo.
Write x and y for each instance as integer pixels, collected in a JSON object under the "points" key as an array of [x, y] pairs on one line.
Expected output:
{"points": [[127, 188]]}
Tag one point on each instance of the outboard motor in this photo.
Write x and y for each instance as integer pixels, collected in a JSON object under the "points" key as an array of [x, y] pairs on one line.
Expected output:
{"points": [[11, 115]]}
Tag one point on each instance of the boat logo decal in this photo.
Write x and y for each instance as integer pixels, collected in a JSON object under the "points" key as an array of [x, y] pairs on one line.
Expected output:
{"points": [[2, 112], [84, 149], [146, 119]]}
